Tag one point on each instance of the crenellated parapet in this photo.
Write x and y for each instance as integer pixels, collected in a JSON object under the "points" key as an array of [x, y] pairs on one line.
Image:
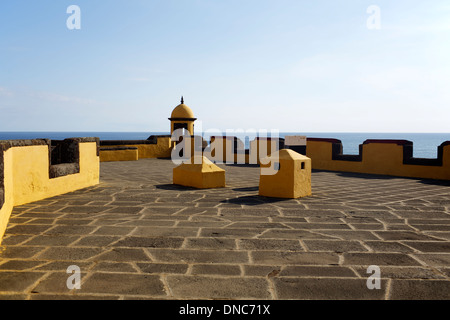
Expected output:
{"points": [[32, 170], [384, 157]]}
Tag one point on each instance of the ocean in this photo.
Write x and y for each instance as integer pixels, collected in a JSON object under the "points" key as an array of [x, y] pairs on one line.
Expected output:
{"points": [[425, 144]]}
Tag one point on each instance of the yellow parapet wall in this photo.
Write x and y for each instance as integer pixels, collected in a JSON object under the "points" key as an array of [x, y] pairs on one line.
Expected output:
{"points": [[119, 154], [26, 174], [384, 157], [157, 147]]}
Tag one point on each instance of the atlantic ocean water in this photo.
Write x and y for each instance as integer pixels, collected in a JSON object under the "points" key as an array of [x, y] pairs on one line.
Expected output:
{"points": [[425, 144]]}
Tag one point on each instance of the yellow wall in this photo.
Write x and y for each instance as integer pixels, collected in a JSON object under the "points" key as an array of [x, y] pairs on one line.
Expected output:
{"points": [[160, 150], [6, 209], [26, 176], [377, 158], [119, 155]]}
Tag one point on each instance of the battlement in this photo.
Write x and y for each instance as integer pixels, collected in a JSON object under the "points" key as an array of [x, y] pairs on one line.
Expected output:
{"points": [[32, 170], [385, 157], [156, 146]]}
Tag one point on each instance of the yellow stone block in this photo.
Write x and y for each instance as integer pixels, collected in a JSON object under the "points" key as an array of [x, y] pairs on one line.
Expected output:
{"points": [[292, 178], [200, 174]]}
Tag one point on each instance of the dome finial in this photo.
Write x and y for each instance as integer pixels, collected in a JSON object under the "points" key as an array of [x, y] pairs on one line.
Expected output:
{"points": [[182, 100]]}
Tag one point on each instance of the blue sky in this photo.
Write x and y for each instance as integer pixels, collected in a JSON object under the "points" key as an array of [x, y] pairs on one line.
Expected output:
{"points": [[305, 66]]}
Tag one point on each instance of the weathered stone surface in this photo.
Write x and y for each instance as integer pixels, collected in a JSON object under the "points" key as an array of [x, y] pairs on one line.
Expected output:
{"points": [[14, 281], [420, 290], [119, 283], [323, 288], [136, 236], [201, 287]]}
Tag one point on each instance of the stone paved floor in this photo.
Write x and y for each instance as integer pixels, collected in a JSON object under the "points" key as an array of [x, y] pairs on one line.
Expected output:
{"points": [[136, 236]]}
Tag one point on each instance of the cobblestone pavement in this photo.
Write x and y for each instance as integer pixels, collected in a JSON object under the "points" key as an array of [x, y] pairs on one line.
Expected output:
{"points": [[137, 236]]}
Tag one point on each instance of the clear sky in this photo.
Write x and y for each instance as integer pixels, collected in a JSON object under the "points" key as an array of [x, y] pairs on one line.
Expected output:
{"points": [[291, 65]]}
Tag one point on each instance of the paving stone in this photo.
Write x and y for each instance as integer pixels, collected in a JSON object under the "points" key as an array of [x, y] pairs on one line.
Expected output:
{"points": [[202, 224], [430, 246], [388, 246], [294, 258], [64, 230], [272, 244], [316, 271], [148, 223], [445, 271], [72, 296], [113, 230], [69, 253], [51, 240], [258, 225], [201, 287], [4, 297], [55, 283], [369, 226], [165, 232], [15, 239], [210, 243], [334, 246], [398, 235], [147, 242], [349, 235], [229, 232], [199, 256], [62, 266], [303, 213], [20, 265], [431, 227], [216, 269], [163, 268], [84, 209], [438, 235], [428, 221], [422, 214], [330, 289], [20, 252], [126, 210], [226, 212], [119, 283], [434, 259], [420, 290], [402, 272], [46, 221], [123, 254], [96, 241], [13, 281], [394, 259], [114, 267], [159, 210], [32, 229], [294, 234]]}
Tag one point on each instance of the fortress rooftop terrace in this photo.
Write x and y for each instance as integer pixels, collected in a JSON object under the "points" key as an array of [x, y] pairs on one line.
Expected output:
{"points": [[135, 235]]}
